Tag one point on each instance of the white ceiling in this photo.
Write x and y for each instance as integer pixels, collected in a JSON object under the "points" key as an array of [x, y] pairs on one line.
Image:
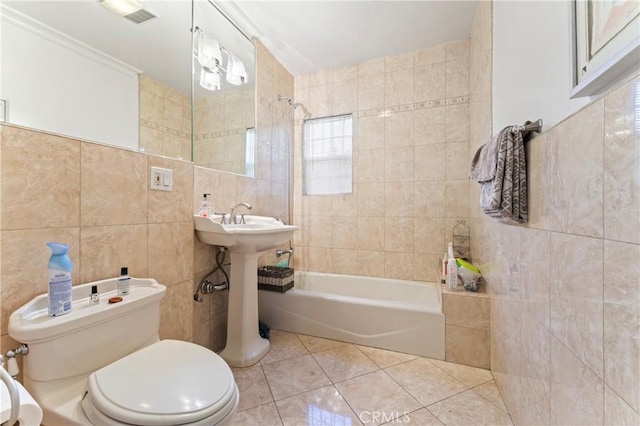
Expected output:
{"points": [[306, 36]]}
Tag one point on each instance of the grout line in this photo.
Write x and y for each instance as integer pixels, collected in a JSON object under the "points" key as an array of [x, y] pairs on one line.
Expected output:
{"points": [[347, 402], [273, 400], [433, 414], [489, 401], [450, 375], [444, 399]]}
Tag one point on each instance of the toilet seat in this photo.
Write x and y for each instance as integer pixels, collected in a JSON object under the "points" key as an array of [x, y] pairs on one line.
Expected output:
{"points": [[168, 383]]}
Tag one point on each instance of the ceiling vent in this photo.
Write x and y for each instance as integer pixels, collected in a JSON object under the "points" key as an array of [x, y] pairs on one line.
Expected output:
{"points": [[140, 16], [130, 9]]}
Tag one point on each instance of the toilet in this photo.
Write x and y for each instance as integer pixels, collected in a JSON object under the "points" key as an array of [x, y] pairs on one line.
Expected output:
{"points": [[105, 364]]}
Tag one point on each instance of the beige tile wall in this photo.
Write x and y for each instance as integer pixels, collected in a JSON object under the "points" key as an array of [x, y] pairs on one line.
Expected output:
{"points": [[97, 199], [94, 198], [467, 332], [220, 126], [565, 288], [165, 119], [411, 122]]}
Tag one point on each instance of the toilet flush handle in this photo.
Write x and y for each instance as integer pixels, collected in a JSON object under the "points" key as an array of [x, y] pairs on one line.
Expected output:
{"points": [[12, 362]]}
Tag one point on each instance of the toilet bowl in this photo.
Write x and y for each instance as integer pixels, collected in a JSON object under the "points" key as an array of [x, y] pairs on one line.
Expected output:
{"points": [[168, 383], [105, 364]]}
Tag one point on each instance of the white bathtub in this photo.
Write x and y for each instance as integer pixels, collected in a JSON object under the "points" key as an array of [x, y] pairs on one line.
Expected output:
{"points": [[402, 316]]}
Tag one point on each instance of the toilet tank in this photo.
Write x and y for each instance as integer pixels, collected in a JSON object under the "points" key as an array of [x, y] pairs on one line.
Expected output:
{"points": [[90, 336]]}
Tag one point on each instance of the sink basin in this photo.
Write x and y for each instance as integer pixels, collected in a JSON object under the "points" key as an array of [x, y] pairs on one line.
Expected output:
{"points": [[259, 233]]}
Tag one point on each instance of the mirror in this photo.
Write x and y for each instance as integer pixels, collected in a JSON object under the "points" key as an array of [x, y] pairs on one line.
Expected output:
{"points": [[77, 69], [224, 119]]}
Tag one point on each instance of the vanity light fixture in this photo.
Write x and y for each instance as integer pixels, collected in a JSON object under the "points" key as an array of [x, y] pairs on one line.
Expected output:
{"points": [[130, 9]]}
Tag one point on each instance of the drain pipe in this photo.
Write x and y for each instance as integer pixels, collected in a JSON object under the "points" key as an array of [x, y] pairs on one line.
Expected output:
{"points": [[208, 287]]}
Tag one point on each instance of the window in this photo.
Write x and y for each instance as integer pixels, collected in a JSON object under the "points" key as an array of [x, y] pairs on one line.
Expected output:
{"points": [[328, 155], [250, 153]]}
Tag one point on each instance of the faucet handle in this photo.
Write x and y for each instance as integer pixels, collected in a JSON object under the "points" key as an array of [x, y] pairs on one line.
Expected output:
{"points": [[242, 218], [224, 217]]}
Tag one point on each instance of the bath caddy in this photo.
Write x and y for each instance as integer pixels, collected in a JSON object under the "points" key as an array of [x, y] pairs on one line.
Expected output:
{"points": [[275, 278]]}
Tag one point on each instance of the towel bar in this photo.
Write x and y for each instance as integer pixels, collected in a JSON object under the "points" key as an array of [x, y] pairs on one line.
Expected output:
{"points": [[535, 126]]}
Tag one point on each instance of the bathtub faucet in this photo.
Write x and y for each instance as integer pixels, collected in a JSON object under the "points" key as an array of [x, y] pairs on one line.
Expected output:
{"points": [[233, 219], [283, 252]]}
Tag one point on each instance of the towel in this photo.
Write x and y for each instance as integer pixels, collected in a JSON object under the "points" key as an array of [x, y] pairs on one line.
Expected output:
{"points": [[209, 80], [236, 72], [209, 54], [501, 169]]}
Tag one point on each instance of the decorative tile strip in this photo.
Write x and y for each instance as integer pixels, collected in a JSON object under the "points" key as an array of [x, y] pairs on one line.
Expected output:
{"points": [[222, 133], [165, 129], [385, 112]]}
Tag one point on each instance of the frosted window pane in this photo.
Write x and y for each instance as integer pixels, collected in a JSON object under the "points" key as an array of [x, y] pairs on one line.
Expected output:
{"points": [[328, 155]]}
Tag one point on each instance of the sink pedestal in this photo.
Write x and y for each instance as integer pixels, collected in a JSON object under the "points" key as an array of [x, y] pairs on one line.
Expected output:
{"points": [[244, 346]]}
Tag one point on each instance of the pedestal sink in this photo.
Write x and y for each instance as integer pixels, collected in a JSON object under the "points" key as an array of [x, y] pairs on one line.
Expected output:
{"points": [[245, 243]]}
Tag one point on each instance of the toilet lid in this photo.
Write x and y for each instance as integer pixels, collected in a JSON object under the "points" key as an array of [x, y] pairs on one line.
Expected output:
{"points": [[168, 383]]}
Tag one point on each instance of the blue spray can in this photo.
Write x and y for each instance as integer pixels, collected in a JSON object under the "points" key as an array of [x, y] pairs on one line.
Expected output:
{"points": [[59, 274]]}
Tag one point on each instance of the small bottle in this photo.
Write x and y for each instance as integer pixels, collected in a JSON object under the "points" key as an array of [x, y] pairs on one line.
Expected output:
{"points": [[205, 207], [452, 271], [124, 282], [94, 297], [443, 268], [59, 274]]}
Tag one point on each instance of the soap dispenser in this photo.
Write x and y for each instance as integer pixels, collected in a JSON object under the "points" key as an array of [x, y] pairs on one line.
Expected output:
{"points": [[205, 206]]}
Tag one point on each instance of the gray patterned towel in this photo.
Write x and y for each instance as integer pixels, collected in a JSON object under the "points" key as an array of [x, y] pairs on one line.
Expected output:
{"points": [[501, 169]]}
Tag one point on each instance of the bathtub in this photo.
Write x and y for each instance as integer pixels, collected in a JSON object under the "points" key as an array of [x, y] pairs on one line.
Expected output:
{"points": [[402, 316]]}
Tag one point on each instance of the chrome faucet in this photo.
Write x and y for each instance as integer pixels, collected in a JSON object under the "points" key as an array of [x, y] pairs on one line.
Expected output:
{"points": [[283, 252], [233, 219]]}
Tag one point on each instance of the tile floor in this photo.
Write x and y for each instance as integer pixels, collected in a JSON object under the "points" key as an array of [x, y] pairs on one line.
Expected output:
{"points": [[306, 380]]}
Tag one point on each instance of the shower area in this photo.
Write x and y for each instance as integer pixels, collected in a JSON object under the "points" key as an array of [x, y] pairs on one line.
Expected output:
{"points": [[409, 150], [410, 156]]}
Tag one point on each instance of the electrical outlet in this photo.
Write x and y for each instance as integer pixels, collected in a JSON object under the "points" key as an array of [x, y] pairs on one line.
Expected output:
{"points": [[161, 179]]}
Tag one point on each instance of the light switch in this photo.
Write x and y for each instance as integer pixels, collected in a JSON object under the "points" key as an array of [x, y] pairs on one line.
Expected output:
{"points": [[161, 179], [167, 179]]}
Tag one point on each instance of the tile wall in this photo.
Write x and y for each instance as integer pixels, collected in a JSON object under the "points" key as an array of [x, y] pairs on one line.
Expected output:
{"points": [[565, 288], [96, 198], [467, 332], [165, 119], [411, 126], [220, 129]]}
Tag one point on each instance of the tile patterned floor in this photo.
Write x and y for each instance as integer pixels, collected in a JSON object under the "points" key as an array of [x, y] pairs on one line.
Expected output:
{"points": [[306, 380]]}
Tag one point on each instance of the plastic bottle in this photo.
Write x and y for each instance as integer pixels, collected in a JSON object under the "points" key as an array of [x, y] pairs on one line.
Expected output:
{"points": [[452, 271], [205, 207], [94, 297], [443, 268], [124, 282], [59, 275]]}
